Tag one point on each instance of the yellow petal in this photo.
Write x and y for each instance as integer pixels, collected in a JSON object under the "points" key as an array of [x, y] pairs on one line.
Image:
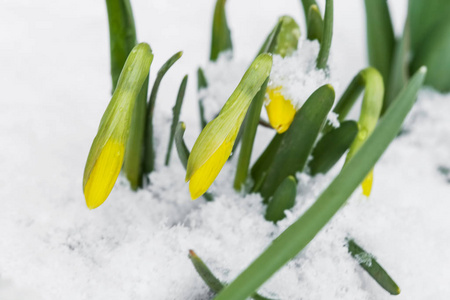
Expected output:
{"points": [[104, 174], [367, 184], [281, 112], [202, 179]]}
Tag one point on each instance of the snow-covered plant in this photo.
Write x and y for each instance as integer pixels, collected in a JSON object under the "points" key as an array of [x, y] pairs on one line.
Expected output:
{"points": [[305, 138]]}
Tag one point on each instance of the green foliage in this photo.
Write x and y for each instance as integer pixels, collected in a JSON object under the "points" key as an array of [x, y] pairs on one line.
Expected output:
{"points": [[300, 233], [221, 35], [315, 24], [325, 46], [176, 110]]}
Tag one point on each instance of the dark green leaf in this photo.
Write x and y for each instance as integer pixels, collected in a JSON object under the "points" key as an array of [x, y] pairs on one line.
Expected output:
{"points": [[283, 199], [299, 139], [315, 24], [332, 146], [325, 46], [221, 35], [182, 150], [368, 262], [201, 84], [122, 35]]}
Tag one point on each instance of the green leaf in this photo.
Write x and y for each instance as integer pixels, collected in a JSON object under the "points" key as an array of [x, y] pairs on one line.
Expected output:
{"points": [[425, 18], [332, 146], [315, 24], [368, 262], [182, 150], [283, 199], [271, 39], [122, 35], [306, 4], [176, 116], [399, 68], [287, 39], [209, 278], [434, 54], [299, 139], [221, 35], [260, 168], [201, 84], [149, 153], [325, 46], [380, 36], [288, 244]]}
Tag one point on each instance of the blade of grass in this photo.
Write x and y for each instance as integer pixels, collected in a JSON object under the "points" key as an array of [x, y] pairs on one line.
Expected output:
{"points": [[299, 139], [380, 36], [209, 278], [283, 199], [221, 35], [289, 243], [201, 84], [368, 262], [314, 24], [122, 35], [149, 153], [332, 146], [176, 116], [325, 46]]}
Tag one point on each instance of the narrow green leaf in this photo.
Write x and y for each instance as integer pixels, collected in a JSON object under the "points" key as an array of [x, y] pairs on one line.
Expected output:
{"points": [[135, 145], [425, 17], [434, 54], [176, 110], [399, 68], [182, 150], [315, 24], [122, 35], [306, 4], [209, 278], [149, 153], [332, 146], [288, 244], [299, 139], [221, 35], [380, 36], [201, 84], [283, 199], [368, 262], [272, 38], [325, 46]]}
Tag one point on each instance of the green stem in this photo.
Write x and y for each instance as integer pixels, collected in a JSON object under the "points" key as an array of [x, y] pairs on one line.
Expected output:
{"points": [[325, 46], [176, 117], [149, 152], [122, 35]]}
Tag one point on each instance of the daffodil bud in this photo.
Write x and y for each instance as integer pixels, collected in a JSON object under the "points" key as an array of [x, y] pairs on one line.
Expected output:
{"points": [[280, 110], [215, 143], [108, 148]]}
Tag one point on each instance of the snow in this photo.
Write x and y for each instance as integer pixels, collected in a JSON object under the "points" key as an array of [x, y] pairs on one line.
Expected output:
{"points": [[55, 87]]}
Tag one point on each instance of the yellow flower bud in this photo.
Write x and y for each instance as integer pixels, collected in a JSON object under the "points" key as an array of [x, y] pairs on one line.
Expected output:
{"points": [[280, 110], [215, 143]]}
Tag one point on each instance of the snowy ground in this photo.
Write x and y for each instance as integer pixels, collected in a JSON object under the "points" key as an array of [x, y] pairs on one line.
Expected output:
{"points": [[54, 74]]}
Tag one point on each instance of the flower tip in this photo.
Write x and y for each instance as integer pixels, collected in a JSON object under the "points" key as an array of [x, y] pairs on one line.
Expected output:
{"points": [[367, 184]]}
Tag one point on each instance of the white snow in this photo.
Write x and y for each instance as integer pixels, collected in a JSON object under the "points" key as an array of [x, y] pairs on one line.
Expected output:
{"points": [[55, 86]]}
